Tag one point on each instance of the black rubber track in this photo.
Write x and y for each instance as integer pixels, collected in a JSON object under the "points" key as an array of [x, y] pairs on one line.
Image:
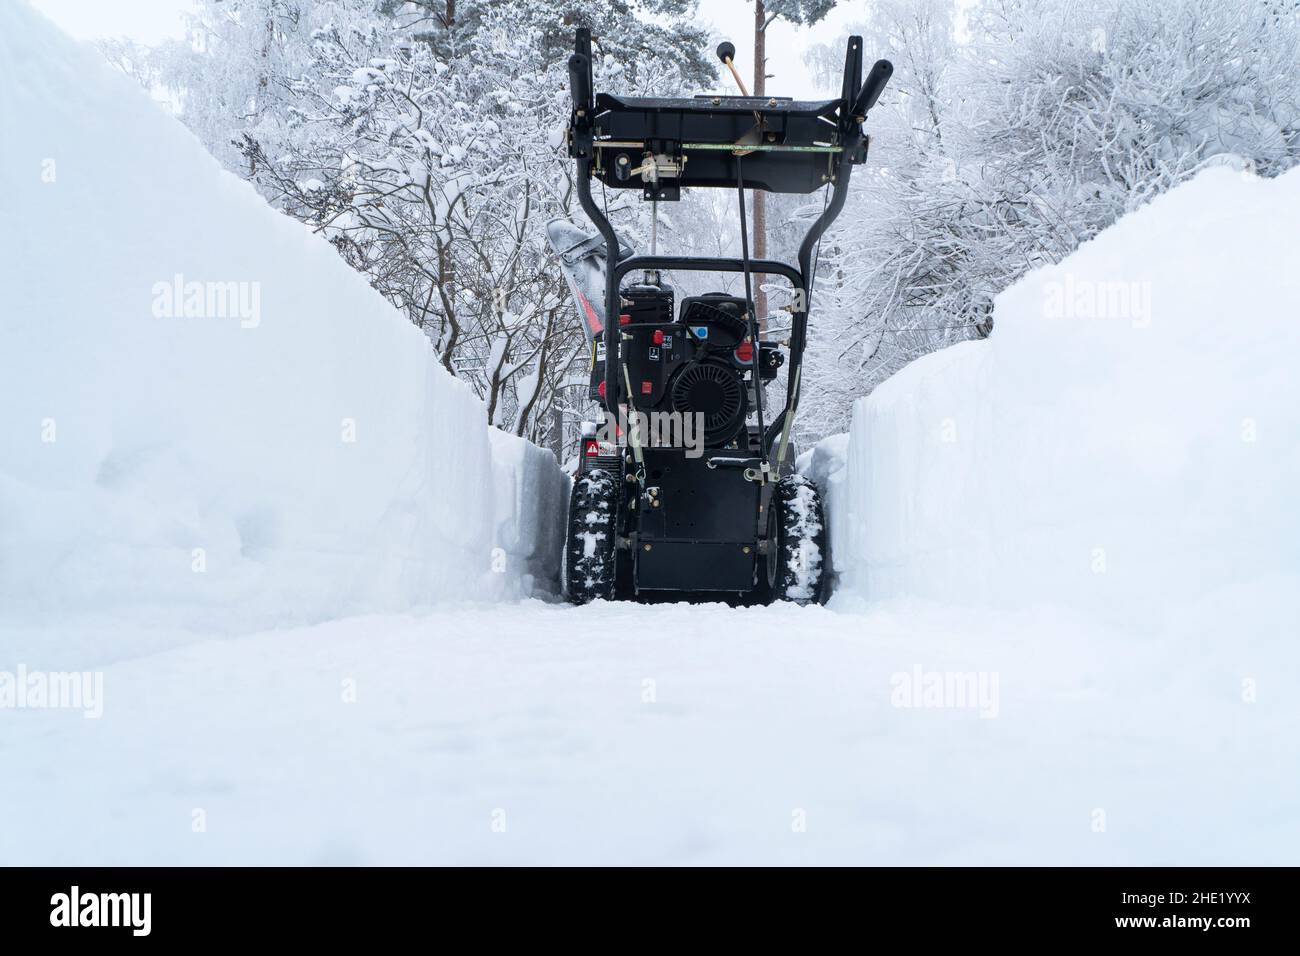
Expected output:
{"points": [[590, 555]]}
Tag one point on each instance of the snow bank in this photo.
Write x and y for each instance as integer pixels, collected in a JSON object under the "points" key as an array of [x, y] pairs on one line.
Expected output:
{"points": [[823, 465], [205, 412], [528, 536], [1128, 438]]}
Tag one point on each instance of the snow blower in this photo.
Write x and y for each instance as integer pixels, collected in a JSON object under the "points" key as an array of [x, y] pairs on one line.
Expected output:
{"points": [[688, 487]]}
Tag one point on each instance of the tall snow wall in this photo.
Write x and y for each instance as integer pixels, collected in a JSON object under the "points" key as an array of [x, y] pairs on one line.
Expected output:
{"points": [[1127, 440], [203, 410]]}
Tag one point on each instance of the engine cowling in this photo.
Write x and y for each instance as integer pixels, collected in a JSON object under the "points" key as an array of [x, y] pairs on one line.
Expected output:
{"points": [[714, 389], [696, 365]]}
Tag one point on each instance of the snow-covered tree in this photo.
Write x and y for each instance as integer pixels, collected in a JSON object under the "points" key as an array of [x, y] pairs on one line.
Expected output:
{"points": [[766, 12], [1006, 150], [424, 139]]}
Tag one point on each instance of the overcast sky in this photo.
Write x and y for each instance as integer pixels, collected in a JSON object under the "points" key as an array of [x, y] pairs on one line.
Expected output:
{"points": [[145, 20], [150, 21]]}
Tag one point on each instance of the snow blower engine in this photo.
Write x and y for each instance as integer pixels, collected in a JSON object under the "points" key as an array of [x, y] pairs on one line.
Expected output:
{"points": [[688, 485]]}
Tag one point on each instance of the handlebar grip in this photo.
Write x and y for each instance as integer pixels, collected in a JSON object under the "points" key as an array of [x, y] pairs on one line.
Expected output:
{"points": [[580, 81], [873, 86]]}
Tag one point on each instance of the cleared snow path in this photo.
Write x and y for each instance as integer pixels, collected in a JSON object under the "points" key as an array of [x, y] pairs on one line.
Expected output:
{"points": [[538, 733]]}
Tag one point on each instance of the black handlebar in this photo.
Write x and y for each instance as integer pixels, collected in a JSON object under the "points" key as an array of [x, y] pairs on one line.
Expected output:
{"points": [[872, 87], [580, 81]]}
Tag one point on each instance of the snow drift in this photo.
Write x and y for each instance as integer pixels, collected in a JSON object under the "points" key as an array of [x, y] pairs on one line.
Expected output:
{"points": [[1128, 439], [204, 409], [529, 494]]}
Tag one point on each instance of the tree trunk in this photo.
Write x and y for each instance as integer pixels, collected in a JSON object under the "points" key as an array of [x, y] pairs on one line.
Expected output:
{"points": [[758, 248], [557, 434]]}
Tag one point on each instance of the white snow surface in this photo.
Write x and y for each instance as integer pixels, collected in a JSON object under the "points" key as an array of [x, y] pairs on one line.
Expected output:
{"points": [[617, 733], [1121, 464], [287, 454]]}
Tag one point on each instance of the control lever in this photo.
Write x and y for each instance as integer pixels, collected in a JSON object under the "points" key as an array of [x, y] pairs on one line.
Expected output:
{"points": [[727, 54], [872, 87]]}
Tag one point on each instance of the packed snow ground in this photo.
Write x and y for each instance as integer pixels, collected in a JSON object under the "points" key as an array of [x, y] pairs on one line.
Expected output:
{"points": [[536, 733]]}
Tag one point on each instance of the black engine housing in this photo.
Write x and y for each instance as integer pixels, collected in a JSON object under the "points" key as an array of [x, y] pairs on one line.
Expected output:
{"points": [[696, 364]]}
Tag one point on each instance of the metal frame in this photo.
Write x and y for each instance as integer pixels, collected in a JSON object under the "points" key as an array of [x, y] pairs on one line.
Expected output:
{"points": [[800, 279], [855, 100], [790, 147]]}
